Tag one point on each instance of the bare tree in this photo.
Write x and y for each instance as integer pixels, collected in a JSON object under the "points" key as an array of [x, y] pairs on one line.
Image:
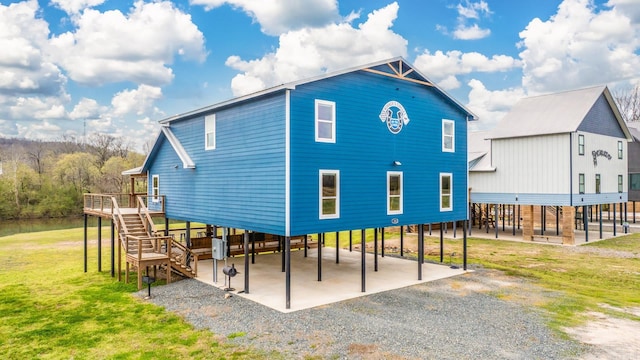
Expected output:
{"points": [[628, 101]]}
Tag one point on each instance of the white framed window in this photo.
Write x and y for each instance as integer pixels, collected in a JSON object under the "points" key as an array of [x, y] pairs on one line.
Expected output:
{"points": [[581, 183], [619, 149], [210, 132], [394, 192], [448, 135], [580, 144], [155, 188], [325, 121], [597, 183], [620, 188], [329, 187], [446, 192]]}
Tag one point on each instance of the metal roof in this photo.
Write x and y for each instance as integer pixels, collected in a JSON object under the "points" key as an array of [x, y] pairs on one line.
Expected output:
{"points": [[479, 151], [553, 113]]}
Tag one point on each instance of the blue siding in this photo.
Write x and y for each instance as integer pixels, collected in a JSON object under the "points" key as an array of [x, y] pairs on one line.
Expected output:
{"points": [[601, 120], [365, 150], [239, 184]]}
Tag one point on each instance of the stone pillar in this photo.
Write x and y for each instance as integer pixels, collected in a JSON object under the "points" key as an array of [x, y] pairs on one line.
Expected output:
{"points": [[527, 222], [568, 225]]}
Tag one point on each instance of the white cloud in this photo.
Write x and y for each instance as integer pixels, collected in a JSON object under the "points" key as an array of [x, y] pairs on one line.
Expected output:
{"points": [[76, 6], [138, 101], [312, 51], [473, 32], [113, 47], [279, 16], [466, 12], [491, 106], [581, 46], [442, 68], [86, 109]]}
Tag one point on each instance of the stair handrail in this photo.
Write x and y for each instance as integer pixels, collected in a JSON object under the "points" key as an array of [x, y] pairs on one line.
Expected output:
{"points": [[186, 250], [143, 211]]}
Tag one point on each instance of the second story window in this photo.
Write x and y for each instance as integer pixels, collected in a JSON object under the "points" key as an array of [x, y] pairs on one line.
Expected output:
{"points": [[580, 144], [619, 149], [325, 122], [210, 132], [620, 183], [597, 183], [155, 188], [581, 183], [448, 136]]}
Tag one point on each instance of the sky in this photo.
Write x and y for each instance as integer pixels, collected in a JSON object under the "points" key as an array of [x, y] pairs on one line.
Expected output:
{"points": [[69, 68]]}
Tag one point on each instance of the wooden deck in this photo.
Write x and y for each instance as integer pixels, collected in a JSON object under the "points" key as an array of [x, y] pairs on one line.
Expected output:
{"points": [[105, 205]]}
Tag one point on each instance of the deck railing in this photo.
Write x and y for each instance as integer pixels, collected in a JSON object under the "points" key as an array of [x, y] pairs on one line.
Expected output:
{"points": [[104, 202]]}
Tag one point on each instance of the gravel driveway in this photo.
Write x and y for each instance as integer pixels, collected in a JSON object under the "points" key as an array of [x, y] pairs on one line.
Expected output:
{"points": [[454, 318]]}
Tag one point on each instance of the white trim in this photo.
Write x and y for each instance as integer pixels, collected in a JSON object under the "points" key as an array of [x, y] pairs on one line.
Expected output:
{"points": [[453, 135], [187, 163], [321, 197], [209, 127], [287, 163], [389, 211], [450, 208], [317, 121], [155, 197]]}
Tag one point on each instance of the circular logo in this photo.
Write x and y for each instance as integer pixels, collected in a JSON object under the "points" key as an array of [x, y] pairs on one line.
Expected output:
{"points": [[394, 114]]}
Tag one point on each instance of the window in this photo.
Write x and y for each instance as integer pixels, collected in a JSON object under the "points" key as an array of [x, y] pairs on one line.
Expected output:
{"points": [[597, 183], [329, 194], [394, 192], [445, 192], [581, 183], [634, 181], [155, 188], [448, 136], [325, 121], [619, 183], [210, 132], [580, 144], [619, 149]]}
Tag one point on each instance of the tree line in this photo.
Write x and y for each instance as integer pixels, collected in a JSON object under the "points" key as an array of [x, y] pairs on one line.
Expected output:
{"points": [[48, 178]]}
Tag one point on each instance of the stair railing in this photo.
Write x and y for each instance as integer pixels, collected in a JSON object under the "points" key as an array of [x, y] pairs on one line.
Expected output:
{"points": [[188, 255]]}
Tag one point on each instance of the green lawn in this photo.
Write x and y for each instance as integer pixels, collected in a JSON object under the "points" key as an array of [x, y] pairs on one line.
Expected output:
{"points": [[51, 309]]}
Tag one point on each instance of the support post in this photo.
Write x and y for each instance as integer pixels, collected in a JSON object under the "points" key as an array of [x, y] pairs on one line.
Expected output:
{"points": [[382, 238], [363, 254], [281, 248], [253, 247], [337, 247], [454, 229], [166, 226], [495, 220], [542, 220], [600, 218], [421, 248], [350, 240], [464, 247], [401, 240], [287, 249], [306, 242], [585, 221], [99, 244], [614, 219], [319, 256], [633, 203], [113, 249], [375, 249], [513, 221], [557, 221], [246, 261], [85, 242], [441, 244]]}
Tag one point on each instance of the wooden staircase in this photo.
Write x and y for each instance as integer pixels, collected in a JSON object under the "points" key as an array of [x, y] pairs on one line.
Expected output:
{"points": [[144, 246]]}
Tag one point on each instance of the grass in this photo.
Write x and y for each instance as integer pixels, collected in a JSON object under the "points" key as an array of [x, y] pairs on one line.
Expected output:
{"points": [[51, 309]]}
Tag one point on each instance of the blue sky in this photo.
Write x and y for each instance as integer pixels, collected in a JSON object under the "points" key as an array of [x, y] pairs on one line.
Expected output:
{"points": [[119, 67]]}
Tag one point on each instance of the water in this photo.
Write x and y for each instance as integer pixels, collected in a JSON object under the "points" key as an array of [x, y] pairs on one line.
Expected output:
{"points": [[10, 227]]}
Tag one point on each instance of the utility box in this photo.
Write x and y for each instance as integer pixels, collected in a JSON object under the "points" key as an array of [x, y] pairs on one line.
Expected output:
{"points": [[218, 248]]}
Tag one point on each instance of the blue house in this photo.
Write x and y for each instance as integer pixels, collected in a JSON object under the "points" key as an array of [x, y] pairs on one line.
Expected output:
{"points": [[368, 147]]}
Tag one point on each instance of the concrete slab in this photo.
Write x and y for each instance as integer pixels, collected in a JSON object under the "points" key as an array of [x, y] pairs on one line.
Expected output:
{"points": [[339, 281]]}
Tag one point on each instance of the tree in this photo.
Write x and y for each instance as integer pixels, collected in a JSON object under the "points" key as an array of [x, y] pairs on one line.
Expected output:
{"points": [[78, 170], [628, 101], [105, 146]]}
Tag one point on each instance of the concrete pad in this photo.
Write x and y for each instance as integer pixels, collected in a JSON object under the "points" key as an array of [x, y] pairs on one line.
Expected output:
{"points": [[339, 281]]}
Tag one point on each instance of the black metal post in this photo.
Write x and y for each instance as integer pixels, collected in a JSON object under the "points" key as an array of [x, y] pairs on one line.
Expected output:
{"points": [[542, 220], [487, 221], [454, 229], [513, 221], [503, 213], [337, 247], [363, 254], [585, 221], [253, 247], [375, 249], [350, 240], [166, 226], [464, 248], [246, 262], [319, 256], [441, 244], [382, 238], [401, 240], [287, 249], [113, 249], [99, 243], [634, 211], [600, 219], [614, 219], [421, 248], [306, 242], [85, 242], [429, 229], [557, 221], [281, 249], [518, 216], [495, 220]]}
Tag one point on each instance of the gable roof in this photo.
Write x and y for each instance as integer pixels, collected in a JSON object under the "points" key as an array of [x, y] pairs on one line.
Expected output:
{"points": [[554, 113], [396, 67], [167, 134], [479, 151]]}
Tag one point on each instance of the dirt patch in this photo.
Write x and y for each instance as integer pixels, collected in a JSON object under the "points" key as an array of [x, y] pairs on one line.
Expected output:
{"points": [[613, 338]]}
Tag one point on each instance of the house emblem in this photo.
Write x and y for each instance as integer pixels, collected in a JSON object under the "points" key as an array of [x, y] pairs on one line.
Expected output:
{"points": [[394, 114]]}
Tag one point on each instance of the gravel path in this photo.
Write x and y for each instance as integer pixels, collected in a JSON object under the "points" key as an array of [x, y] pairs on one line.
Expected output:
{"points": [[455, 318]]}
